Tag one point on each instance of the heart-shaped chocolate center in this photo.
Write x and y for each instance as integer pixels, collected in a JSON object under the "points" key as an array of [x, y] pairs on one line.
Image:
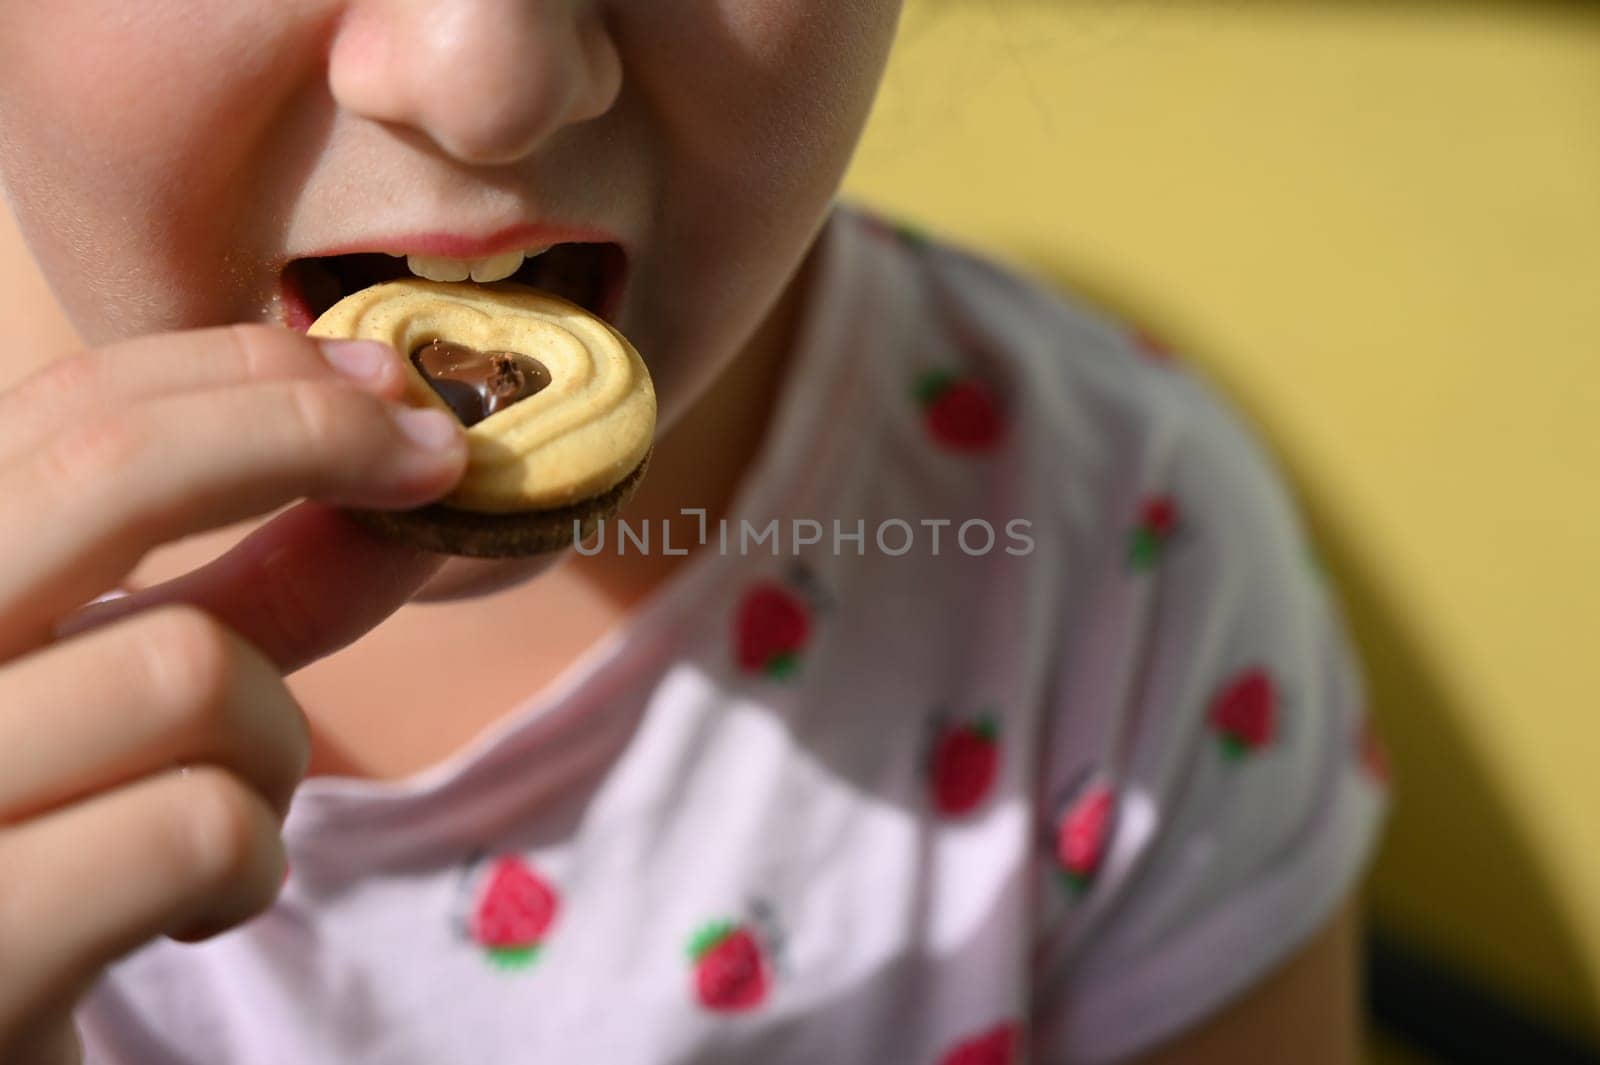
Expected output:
{"points": [[477, 383]]}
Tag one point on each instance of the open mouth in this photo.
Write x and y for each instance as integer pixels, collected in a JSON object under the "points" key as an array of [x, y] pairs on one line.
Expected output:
{"points": [[590, 275]]}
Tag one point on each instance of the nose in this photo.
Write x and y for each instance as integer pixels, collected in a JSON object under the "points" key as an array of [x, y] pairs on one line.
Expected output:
{"points": [[487, 80]]}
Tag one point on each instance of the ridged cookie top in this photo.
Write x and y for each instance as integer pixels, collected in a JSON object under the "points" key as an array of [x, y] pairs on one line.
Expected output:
{"points": [[575, 438]]}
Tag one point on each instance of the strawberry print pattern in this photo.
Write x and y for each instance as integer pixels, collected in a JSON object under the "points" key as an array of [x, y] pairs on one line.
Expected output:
{"points": [[959, 411], [1082, 833], [1244, 714], [1046, 783], [996, 1046], [1150, 345], [775, 620], [963, 764], [731, 973], [771, 628], [1158, 520], [514, 913], [1372, 754]]}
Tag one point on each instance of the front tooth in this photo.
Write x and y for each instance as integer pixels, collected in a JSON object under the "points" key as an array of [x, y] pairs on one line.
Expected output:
{"points": [[438, 268], [497, 267]]}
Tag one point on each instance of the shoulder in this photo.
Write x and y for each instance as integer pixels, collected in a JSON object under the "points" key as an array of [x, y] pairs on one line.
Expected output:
{"points": [[1120, 422], [1202, 740]]}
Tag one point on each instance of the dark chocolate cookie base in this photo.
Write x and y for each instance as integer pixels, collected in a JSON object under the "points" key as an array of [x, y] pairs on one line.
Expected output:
{"points": [[450, 531]]}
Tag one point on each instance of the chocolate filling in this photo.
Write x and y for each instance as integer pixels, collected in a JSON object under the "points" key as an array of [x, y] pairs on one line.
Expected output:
{"points": [[477, 383]]}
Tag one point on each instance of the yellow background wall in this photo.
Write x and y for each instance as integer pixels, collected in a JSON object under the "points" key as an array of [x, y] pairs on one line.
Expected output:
{"points": [[1377, 226]]}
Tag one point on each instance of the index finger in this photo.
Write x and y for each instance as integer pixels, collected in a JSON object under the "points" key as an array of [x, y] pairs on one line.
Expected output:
{"points": [[77, 385], [299, 588]]}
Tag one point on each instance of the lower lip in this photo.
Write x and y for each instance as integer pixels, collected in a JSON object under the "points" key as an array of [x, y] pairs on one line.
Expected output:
{"points": [[296, 312]]}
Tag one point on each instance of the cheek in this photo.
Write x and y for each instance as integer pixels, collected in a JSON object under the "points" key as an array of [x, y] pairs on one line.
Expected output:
{"points": [[754, 107], [765, 95], [111, 103], [118, 139]]}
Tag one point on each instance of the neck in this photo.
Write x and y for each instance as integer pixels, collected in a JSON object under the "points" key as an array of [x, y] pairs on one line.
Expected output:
{"points": [[701, 461]]}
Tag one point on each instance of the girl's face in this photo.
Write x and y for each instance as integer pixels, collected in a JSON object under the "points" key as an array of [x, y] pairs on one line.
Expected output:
{"points": [[174, 163]]}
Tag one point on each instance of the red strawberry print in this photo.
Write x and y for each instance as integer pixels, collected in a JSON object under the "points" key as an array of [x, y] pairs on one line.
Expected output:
{"points": [[770, 629], [1159, 514], [965, 761], [1158, 519], [997, 1046], [514, 912], [1373, 753], [1151, 345], [1082, 834], [959, 412], [1245, 713], [730, 973]]}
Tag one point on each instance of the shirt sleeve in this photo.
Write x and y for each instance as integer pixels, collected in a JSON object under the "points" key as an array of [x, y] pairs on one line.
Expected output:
{"points": [[1211, 788]]}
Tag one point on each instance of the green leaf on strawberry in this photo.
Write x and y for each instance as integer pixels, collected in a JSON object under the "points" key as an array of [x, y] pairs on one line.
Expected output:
{"points": [[886, 228], [911, 234], [782, 666], [1158, 519], [708, 937], [513, 957], [930, 384], [1144, 548]]}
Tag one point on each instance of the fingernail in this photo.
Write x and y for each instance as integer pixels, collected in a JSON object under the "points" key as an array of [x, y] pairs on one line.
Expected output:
{"points": [[432, 430], [361, 359]]}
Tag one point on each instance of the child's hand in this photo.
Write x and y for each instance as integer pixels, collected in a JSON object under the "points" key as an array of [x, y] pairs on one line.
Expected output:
{"points": [[104, 841]]}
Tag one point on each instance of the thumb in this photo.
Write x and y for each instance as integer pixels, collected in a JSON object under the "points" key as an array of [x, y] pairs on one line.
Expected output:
{"points": [[300, 587]]}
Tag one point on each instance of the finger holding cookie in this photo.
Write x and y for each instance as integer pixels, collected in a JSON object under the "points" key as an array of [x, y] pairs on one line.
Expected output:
{"points": [[558, 408], [90, 383], [122, 478], [300, 587], [157, 752], [558, 441]]}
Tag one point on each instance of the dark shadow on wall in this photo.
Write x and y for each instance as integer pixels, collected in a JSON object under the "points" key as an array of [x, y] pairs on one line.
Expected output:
{"points": [[1423, 990]]}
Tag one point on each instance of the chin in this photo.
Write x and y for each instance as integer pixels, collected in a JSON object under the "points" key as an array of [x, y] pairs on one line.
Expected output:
{"points": [[471, 578]]}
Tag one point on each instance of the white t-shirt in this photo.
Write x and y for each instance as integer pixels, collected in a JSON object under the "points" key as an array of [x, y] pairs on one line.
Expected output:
{"points": [[1013, 723]]}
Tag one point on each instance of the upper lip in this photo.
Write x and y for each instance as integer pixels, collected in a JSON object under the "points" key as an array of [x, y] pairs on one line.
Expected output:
{"points": [[464, 246]]}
